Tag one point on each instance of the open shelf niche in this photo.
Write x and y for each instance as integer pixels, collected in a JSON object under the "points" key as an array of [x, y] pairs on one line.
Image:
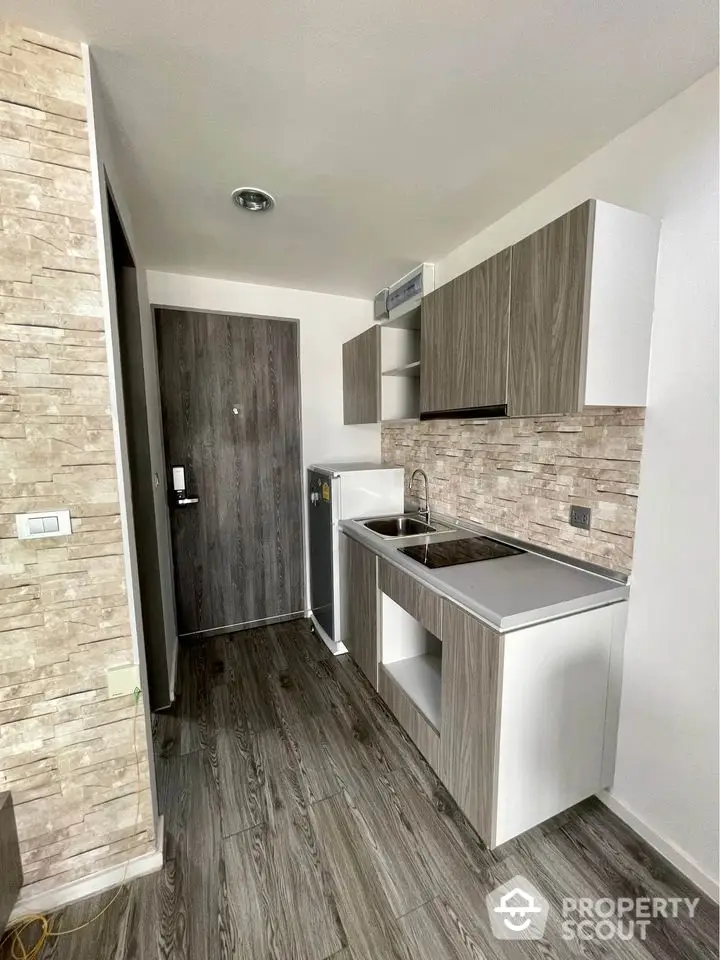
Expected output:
{"points": [[400, 367], [412, 657], [410, 320]]}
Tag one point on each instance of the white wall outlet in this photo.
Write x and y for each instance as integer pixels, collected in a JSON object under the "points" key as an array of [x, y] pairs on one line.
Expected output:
{"points": [[123, 680]]}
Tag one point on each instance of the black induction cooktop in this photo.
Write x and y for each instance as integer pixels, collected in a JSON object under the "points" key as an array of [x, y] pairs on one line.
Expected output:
{"points": [[453, 552]]}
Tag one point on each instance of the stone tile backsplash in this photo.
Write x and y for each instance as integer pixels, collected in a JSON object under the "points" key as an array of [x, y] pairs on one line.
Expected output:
{"points": [[67, 753], [519, 476]]}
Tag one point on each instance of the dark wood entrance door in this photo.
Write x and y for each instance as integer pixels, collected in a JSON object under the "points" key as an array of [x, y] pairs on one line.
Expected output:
{"points": [[231, 418]]}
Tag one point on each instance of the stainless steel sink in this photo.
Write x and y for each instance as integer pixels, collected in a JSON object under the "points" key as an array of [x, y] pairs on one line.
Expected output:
{"points": [[399, 526]]}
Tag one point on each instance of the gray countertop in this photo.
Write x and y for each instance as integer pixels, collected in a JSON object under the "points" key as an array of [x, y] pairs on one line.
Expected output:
{"points": [[507, 593]]}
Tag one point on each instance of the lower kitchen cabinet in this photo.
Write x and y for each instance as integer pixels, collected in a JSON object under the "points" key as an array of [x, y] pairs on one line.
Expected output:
{"points": [[519, 725], [361, 607], [471, 657], [527, 716]]}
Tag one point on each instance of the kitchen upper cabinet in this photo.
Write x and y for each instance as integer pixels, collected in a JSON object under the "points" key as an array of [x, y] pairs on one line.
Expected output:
{"points": [[437, 311], [361, 609], [471, 658], [548, 292], [464, 340], [361, 378], [581, 304]]}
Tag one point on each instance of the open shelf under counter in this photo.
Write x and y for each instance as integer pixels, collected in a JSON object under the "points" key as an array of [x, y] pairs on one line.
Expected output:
{"points": [[420, 678]]}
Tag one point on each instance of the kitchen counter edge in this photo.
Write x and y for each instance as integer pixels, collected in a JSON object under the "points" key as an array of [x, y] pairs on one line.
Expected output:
{"points": [[389, 551]]}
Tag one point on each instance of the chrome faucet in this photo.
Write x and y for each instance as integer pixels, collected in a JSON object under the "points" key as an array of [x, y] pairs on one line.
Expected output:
{"points": [[422, 474]]}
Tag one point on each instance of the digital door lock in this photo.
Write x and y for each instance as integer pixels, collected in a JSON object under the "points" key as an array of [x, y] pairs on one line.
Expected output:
{"points": [[180, 488]]}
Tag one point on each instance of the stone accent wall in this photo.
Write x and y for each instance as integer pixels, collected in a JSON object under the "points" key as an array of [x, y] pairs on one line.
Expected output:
{"points": [[67, 753], [520, 476]]}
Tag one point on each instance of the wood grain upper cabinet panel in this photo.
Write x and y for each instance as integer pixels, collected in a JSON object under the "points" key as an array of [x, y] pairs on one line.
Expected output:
{"points": [[550, 270], [464, 339], [470, 715], [482, 310], [436, 371], [361, 378], [361, 624]]}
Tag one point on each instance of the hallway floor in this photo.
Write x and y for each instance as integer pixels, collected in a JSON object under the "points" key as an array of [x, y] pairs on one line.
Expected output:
{"points": [[301, 824]]}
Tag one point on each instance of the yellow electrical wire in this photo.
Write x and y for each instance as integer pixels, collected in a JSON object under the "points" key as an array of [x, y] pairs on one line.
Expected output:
{"points": [[15, 934]]}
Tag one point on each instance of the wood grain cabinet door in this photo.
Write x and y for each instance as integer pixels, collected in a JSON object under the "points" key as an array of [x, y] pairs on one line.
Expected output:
{"points": [[471, 658], [482, 310], [361, 610], [436, 372], [550, 272], [464, 339], [361, 378]]}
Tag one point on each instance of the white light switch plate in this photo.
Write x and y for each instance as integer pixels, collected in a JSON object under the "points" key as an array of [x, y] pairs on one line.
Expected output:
{"points": [[123, 680], [47, 523]]}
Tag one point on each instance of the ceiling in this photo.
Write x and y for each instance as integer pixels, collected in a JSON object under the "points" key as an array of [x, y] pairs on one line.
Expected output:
{"points": [[389, 132]]}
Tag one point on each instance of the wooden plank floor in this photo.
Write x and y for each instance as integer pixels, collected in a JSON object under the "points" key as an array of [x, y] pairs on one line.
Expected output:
{"points": [[301, 824]]}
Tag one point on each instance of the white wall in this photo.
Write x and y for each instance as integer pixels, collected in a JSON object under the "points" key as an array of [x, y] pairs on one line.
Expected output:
{"points": [[325, 323], [666, 779]]}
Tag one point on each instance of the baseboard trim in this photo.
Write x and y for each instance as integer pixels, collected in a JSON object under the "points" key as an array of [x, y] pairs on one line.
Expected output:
{"points": [[677, 857], [48, 901]]}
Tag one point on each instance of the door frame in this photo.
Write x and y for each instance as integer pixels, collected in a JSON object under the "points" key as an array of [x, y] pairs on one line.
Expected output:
{"points": [[154, 307], [142, 500], [103, 193]]}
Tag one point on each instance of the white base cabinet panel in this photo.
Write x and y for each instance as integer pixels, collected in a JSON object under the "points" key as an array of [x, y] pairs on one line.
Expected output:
{"points": [[554, 690]]}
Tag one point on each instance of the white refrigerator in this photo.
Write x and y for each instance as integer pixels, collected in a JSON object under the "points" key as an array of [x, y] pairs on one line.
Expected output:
{"points": [[342, 491]]}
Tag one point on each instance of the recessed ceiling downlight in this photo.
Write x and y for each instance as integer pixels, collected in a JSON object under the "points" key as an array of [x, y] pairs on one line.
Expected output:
{"points": [[253, 199]]}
